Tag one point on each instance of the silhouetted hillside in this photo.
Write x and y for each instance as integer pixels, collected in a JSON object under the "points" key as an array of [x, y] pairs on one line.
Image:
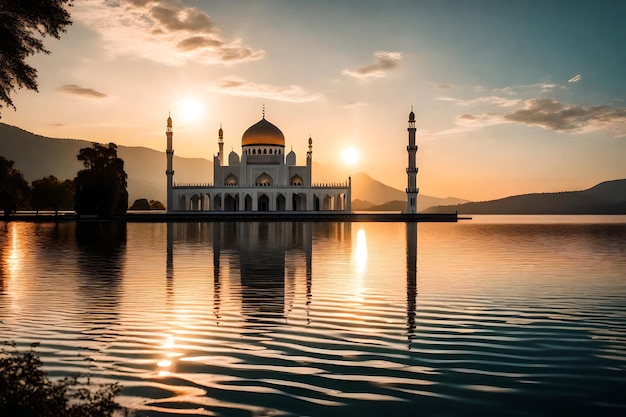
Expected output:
{"points": [[38, 156], [605, 198]]}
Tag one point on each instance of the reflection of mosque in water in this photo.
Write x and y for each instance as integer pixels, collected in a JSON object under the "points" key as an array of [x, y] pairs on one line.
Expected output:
{"points": [[273, 258]]}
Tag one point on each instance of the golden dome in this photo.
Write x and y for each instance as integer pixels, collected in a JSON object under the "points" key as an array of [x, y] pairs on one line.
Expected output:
{"points": [[263, 133]]}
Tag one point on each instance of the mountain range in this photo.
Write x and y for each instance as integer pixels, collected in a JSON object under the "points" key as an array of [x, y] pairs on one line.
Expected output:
{"points": [[608, 197], [39, 156]]}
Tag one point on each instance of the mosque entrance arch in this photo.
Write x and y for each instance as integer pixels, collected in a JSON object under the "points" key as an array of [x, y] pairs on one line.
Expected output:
{"points": [[182, 203], [281, 203], [263, 203], [231, 203], [195, 202], [217, 203], [298, 202], [247, 203]]}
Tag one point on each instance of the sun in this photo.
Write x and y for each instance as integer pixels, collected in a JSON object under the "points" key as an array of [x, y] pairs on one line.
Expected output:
{"points": [[190, 109], [351, 156]]}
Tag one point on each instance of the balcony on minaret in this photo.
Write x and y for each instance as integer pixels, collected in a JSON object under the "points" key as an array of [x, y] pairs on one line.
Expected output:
{"points": [[411, 148], [411, 170], [412, 190]]}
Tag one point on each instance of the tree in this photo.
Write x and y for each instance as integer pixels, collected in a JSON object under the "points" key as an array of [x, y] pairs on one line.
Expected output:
{"points": [[51, 194], [14, 189], [101, 186], [26, 391], [22, 25], [156, 205]]}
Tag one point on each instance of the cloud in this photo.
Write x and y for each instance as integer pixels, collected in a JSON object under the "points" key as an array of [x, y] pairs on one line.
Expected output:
{"points": [[494, 101], [239, 87], [77, 90], [165, 31], [575, 78], [354, 104], [553, 115], [445, 86], [383, 62], [525, 88]]}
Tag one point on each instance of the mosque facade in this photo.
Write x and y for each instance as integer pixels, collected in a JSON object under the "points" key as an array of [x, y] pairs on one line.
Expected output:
{"points": [[263, 178]]}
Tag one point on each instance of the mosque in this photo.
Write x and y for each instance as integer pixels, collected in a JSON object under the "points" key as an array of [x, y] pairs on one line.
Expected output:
{"points": [[265, 179]]}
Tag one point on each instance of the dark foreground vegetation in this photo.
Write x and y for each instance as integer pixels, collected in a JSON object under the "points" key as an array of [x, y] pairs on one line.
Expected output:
{"points": [[26, 390], [99, 189]]}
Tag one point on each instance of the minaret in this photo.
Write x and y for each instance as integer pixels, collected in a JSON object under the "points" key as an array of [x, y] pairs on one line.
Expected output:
{"points": [[220, 143], [169, 133], [411, 171]]}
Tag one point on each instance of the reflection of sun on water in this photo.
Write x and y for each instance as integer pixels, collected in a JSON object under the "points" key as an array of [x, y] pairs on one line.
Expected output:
{"points": [[360, 254], [13, 261], [359, 258]]}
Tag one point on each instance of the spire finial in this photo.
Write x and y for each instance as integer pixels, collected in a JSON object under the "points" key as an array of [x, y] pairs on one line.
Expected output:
{"points": [[411, 107], [264, 111]]}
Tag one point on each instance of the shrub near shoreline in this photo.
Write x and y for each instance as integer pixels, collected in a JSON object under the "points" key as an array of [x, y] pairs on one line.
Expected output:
{"points": [[26, 390]]}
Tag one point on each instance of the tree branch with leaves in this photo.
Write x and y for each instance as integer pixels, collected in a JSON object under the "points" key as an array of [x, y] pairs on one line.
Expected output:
{"points": [[23, 24]]}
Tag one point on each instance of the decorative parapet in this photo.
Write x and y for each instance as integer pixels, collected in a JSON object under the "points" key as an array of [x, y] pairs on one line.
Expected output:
{"points": [[193, 185]]}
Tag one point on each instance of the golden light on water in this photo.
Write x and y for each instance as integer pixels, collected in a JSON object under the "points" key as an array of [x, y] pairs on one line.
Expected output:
{"points": [[14, 258], [360, 253]]}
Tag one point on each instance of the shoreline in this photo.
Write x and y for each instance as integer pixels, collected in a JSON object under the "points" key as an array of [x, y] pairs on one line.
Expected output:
{"points": [[282, 216]]}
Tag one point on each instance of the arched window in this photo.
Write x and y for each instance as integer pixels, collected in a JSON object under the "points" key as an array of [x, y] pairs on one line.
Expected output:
{"points": [[264, 151], [254, 151], [296, 180], [230, 180], [263, 180], [270, 151]]}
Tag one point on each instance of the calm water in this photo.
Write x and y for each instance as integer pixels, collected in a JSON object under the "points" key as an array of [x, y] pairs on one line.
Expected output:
{"points": [[495, 316]]}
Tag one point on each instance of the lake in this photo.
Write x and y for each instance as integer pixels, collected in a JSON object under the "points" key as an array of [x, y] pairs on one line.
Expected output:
{"points": [[499, 315]]}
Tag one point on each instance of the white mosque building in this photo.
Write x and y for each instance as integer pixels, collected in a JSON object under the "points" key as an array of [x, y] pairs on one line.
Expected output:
{"points": [[262, 179]]}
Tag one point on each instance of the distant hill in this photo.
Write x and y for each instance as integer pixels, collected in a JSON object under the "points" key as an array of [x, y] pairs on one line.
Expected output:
{"points": [[38, 156], [608, 197]]}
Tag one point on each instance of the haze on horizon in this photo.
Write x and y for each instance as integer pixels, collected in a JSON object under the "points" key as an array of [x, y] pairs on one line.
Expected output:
{"points": [[510, 97]]}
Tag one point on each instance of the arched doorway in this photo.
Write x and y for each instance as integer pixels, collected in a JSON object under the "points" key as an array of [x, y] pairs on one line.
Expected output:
{"points": [[217, 203], [231, 203], [281, 203], [298, 202], [195, 202], [263, 203]]}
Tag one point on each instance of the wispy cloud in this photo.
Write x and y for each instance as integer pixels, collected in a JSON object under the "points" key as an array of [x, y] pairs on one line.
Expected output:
{"points": [[77, 90], [576, 78], [494, 101], [165, 31], [526, 88], [383, 63], [554, 115], [239, 87], [354, 104]]}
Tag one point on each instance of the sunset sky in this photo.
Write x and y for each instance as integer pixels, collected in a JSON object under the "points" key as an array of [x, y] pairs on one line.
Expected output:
{"points": [[510, 96]]}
